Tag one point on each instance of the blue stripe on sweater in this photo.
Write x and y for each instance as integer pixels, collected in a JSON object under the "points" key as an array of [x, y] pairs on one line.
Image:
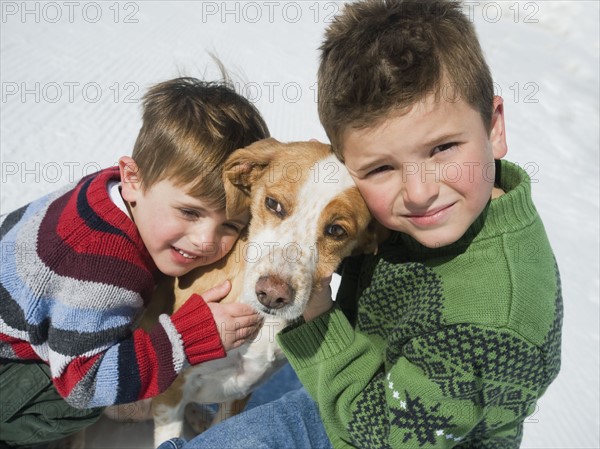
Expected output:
{"points": [[70, 318], [105, 392], [13, 252]]}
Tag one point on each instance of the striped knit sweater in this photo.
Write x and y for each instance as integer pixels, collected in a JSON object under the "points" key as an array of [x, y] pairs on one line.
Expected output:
{"points": [[445, 347], [75, 279]]}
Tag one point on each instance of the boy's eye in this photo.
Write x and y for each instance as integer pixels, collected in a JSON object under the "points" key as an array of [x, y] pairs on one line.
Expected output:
{"points": [[234, 227], [381, 169], [443, 147], [190, 214]]}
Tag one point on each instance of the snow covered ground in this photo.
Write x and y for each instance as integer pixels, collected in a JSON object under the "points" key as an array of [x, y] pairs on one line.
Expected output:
{"points": [[72, 74]]}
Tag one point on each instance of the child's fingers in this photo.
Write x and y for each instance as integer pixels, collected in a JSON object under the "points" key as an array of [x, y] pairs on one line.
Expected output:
{"points": [[240, 310], [243, 334], [217, 293], [235, 330], [246, 321], [237, 323], [235, 316]]}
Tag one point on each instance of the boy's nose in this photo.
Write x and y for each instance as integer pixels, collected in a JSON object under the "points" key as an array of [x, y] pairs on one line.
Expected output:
{"points": [[421, 187], [205, 238]]}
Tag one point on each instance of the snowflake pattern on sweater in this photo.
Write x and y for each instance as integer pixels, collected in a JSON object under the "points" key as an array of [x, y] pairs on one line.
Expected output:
{"points": [[483, 368]]}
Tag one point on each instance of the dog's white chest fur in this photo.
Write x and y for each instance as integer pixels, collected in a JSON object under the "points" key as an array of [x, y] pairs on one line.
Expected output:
{"points": [[235, 376]]}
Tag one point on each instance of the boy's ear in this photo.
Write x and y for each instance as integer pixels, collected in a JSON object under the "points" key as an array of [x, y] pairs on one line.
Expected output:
{"points": [[498, 130], [130, 180], [241, 171]]}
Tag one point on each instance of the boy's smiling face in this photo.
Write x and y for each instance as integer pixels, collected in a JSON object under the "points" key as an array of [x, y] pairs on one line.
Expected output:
{"points": [[428, 172], [180, 231]]}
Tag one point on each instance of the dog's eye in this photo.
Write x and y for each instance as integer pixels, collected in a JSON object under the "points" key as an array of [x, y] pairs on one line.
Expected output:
{"points": [[335, 231], [274, 206]]}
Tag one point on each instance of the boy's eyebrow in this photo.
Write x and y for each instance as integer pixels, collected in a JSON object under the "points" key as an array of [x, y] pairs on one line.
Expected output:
{"points": [[190, 205], [368, 163], [364, 168], [442, 138]]}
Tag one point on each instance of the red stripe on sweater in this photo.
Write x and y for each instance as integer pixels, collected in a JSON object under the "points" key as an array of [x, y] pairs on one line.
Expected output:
{"points": [[98, 194], [149, 369], [70, 248], [22, 349], [73, 373], [74, 229]]}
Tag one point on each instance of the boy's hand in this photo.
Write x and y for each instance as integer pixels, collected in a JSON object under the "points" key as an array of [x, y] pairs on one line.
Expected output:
{"points": [[236, 322], [320, 301]]}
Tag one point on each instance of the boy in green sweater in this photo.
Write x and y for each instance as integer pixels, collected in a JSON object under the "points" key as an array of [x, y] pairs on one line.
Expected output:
{"points": [[450, 334]]}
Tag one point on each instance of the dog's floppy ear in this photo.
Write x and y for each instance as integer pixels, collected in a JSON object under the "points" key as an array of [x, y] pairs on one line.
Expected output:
{"points": [[242, 169], [372, 237]]}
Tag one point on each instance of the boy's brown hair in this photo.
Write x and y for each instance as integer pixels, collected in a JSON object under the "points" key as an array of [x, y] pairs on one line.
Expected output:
{"points": [[383, 56], [189, 128]]}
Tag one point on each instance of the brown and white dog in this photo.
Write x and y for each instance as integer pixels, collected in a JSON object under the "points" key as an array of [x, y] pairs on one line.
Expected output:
{"points": [[307, 215]]}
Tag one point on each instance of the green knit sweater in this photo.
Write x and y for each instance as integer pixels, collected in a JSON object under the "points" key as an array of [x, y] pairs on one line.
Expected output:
{"points": [[447, 347]]}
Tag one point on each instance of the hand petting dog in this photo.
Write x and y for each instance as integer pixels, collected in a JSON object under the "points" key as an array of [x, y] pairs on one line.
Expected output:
{"points": [[236, 322]]}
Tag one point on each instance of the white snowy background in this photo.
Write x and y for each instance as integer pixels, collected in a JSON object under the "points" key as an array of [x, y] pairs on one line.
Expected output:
{"points": [[72, 74]]}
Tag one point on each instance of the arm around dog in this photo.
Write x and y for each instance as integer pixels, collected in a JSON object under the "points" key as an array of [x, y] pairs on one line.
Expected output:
{"points": [[144, 364]]}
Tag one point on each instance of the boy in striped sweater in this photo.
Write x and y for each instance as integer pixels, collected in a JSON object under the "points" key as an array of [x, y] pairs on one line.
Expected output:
{"points": [[80, 265]]}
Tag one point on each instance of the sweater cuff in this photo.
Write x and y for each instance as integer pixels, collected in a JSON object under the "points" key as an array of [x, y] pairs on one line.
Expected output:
{"points": [[311, 343], [195, 323]]}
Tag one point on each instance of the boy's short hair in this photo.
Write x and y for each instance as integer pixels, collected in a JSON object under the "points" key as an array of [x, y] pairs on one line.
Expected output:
{"points": [[189, 128], [382, 56]]}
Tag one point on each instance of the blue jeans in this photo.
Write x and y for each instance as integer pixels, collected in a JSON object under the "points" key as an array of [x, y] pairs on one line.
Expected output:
{"points": [[290, 422]]}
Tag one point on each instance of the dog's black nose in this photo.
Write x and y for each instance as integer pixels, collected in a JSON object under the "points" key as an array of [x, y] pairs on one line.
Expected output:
{"points": [[273, 292]]}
